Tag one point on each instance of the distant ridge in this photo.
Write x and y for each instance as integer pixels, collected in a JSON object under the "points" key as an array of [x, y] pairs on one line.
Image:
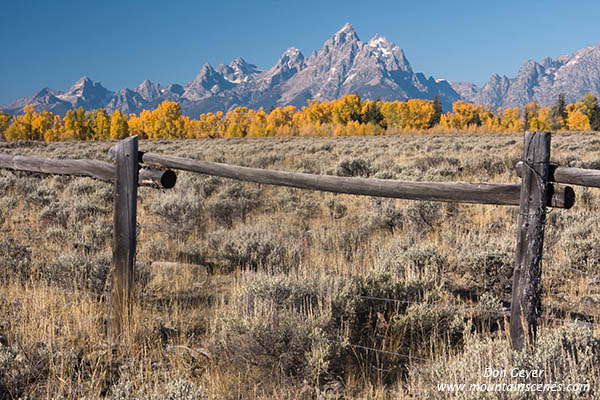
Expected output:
{"points": [[540, 82], [376, 69]]}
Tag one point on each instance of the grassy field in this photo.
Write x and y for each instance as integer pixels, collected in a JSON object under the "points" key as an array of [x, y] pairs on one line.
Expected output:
{"points": [[306, 294]]}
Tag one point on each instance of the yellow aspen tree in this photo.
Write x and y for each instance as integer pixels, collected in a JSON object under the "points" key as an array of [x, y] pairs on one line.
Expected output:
{"points": [[511, 120], [237, 122], [220, 124], [299, 121], [421, 112], [542, 121], [319, 112], [101, 124], [464, 115], [577, 120], [21, 128], [55, 133], [166, 121], [40, 124], [82, 129], [347, 109], [4, 122], [211, 124], [258, 124], [192, 127], [391, 114], [489, 120], [136, 126], [119, 129], [353, 128], [444, 124], [68, 131]]}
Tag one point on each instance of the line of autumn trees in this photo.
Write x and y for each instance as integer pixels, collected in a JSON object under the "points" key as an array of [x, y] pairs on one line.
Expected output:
{"points": [[348, 116]]}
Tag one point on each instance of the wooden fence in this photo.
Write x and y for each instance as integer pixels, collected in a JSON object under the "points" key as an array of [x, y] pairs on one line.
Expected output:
{"points": [[536, 192]]}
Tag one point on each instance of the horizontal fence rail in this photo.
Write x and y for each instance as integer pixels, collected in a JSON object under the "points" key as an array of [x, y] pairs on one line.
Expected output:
{"points": [[460, 192], [102, 170], [573, 176]]}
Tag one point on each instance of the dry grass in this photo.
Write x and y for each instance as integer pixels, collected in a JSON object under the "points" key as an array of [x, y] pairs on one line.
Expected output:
{"points": [[258, 292]]}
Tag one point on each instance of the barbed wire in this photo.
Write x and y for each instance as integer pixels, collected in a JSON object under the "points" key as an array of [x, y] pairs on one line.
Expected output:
{"points": [[411, 302], [377, 252], [505, 312], [570, 321], [413, 357], [392, 353], [454, 255], [562, 267]]}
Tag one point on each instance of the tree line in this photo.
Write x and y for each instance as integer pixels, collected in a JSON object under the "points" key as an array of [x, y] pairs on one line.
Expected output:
{"points": [[348, 116]]}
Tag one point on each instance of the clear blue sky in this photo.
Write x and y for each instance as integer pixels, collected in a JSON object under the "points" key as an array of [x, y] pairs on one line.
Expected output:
{"points": [[54, 43]]}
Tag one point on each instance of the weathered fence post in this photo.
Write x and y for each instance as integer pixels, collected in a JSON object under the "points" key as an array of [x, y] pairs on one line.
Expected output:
{"points": [[526, 291], [125, 207]]}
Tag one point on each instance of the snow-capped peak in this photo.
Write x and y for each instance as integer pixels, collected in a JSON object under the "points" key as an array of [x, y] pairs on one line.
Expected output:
{"points": [[380, 45], [379, 41], [292, 51]]}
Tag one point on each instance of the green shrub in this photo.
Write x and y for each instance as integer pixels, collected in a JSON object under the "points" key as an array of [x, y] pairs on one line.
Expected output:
{"points": [[257, 247], [15, 261], [353, 167], [231, 203], [89, 272], [182, 213]]}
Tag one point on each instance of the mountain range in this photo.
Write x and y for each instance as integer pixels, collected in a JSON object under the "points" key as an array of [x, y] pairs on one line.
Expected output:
{"points": [[541, 82], [377, 69]]}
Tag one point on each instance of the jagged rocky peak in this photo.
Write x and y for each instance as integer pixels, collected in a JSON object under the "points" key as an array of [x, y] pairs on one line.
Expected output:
{"points": [[85, 86], [83, 81], [380, 47], [391, 55], [292, 58], [208, 82], [238, 70], [582, 54], [125, 100], [87, 94], [344, 37], [44, 93], [290, 62], [346, 34], [530, 67], [149, 90], [495, 78], [379, 42], [239, 64], [81, 85], [206, 71], [338, 53]]}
